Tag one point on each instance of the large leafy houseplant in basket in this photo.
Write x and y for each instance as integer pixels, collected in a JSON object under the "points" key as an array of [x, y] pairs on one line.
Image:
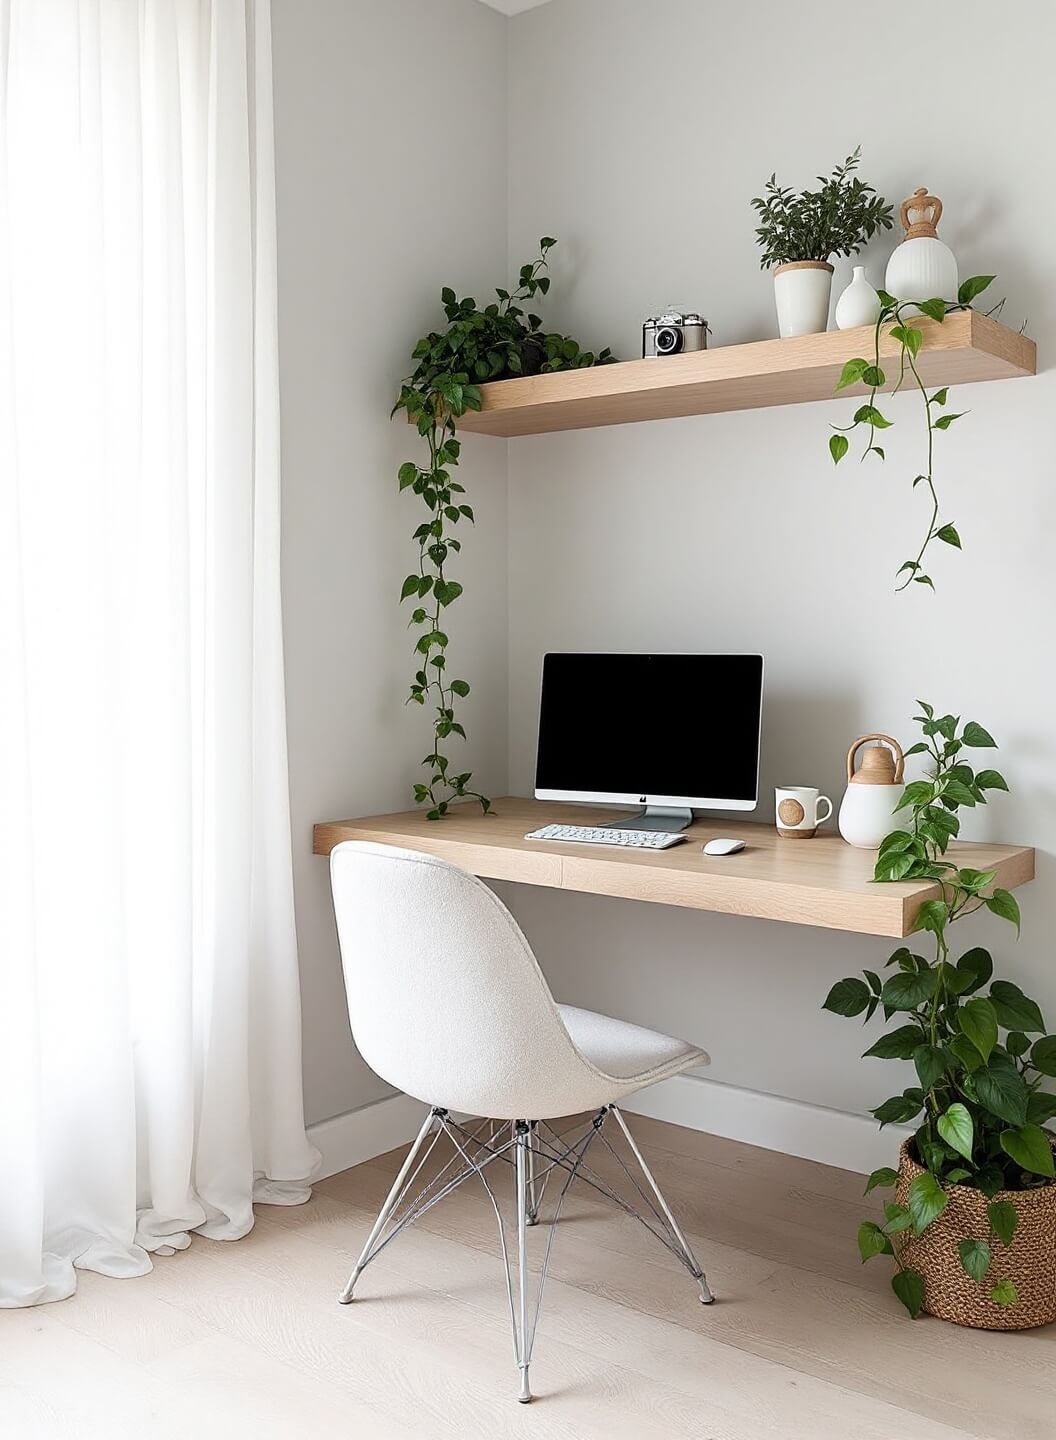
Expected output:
{"points": [[971, 1226]]}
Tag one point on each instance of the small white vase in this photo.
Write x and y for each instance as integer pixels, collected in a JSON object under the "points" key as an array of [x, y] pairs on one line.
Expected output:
{"points": [[801, 291], [859, 304]]}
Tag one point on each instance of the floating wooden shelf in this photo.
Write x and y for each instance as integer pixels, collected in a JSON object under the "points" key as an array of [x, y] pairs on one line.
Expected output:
{"points": [[804, 882], [967, 347]]}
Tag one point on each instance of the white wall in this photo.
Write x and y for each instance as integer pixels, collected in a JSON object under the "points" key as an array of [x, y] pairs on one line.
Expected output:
{"points": [[638, 133], [391, 182]]}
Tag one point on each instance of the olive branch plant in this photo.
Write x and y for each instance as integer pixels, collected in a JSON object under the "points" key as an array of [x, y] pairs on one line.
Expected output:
{"points": [[495, 343], [897, 314], [978, 1102]]}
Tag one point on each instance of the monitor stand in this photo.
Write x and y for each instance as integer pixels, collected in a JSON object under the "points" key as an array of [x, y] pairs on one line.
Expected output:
{"points": [[669, 818]]}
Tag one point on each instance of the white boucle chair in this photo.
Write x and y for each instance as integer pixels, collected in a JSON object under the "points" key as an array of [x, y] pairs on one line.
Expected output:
{"points": [[447, 1003]]}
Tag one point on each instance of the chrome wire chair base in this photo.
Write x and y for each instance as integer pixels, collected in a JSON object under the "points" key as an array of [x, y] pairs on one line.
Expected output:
{"points": [[536, 1153]]}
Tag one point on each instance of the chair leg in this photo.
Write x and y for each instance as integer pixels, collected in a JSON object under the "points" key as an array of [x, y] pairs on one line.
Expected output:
{"points": [[523, 1337], [345, 1298], [533, 1197], [706, 1297]]}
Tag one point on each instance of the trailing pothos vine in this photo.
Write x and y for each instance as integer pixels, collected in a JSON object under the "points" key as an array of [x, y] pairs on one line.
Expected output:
{"points": [[496, 343], [897, 314]]}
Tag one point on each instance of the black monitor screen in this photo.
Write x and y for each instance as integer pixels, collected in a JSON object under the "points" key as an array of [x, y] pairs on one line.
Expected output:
{"points": [[651, 725]]}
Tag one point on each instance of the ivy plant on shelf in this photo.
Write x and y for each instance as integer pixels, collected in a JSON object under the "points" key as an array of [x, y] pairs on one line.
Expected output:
{"points": [[978, 1046], [497, 342], [869, 420]]}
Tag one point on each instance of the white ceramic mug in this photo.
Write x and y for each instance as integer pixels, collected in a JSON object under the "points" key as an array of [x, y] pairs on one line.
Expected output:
{"points": [[797, 808]]}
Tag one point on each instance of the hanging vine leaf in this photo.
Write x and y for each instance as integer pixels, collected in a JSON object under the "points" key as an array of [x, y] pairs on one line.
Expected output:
{"points": [[895, 315], [477, 346]]}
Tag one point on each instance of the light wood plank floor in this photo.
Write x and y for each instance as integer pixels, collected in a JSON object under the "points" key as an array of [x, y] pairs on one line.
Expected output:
{"points": [[804, 1343]]}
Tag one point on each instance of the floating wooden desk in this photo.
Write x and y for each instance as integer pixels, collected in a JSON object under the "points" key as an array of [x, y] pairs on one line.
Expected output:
{"points": [[806, 882]]}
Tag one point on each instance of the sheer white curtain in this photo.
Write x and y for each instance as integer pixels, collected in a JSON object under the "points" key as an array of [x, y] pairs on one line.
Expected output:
{"points": [[149, 1015]]}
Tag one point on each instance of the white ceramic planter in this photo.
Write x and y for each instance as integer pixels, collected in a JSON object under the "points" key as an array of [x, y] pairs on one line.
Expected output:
{"points": [[801, 291]]}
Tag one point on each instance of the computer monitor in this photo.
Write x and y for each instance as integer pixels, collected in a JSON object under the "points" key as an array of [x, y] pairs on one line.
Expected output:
{"points": [[670, 732]]}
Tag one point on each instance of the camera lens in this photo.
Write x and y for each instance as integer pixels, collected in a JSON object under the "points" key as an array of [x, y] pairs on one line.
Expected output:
{"points": [[668, 340]]}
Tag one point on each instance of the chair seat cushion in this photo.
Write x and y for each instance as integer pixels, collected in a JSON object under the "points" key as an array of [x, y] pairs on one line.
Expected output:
{"points": [[625, 1051]]}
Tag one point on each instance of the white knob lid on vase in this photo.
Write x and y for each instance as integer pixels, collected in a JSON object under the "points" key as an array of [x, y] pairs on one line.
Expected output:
{"points": [[859, 304]]}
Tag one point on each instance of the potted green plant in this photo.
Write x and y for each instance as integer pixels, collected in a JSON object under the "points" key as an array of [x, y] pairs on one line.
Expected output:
{"points": [[799, 232], [496, 343], [972, 1223]]}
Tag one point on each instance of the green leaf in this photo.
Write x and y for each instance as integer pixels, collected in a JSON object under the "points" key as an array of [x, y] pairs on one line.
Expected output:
{"points": [[851, 373], [990, 780], [874, 377], [870, 415], [918, 792], [966, 1053], [1043, 1054], [1014, 1010], [949, 534], [907, 990], [957, 1129], [410, 586], [900, 1109], [882, 1179], [932, 915], [896, 1044], [872, 1241], [940, 397], [975, 1257], [1004, 1293], [1030, 1147], [927, 1201], [908, 1285], [975, 880], [460, 687], [930, 1063], [1016, 1043], [408, 474], [934, 310], [1041, 1106], [976, 736], [1006, 906], [1003, 1217], [909, 336], [945, 421], [898, 1218], [1002, 1091], [958, 792], [957, 1174], [847, 997], [838, 447], [979, 1022], [978, 963], [972, 287]]}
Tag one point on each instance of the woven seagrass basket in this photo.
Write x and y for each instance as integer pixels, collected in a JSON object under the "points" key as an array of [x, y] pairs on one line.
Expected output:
{"points": [[1029, 1262]]}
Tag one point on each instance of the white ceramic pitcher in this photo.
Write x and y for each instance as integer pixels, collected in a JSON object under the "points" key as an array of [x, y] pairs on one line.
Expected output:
{"points": [[873, 790]]}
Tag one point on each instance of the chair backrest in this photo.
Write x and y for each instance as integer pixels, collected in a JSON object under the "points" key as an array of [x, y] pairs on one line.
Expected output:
{"points": [[445, 998]]}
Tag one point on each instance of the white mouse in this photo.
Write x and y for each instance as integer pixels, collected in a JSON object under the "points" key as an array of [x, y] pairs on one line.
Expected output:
{"points": [[723, 845]]}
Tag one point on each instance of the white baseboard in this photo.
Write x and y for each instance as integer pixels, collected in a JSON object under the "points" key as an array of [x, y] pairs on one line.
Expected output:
{"points": [[358, 1135], [834, 1137], [851, 1142]]}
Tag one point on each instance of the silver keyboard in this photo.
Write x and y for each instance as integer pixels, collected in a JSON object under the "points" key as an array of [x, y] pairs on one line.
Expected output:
{"points": [[603, 835]]}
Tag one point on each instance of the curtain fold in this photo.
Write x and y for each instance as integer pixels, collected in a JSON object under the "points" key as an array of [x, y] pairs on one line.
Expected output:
{"points": [[150, 1080]]}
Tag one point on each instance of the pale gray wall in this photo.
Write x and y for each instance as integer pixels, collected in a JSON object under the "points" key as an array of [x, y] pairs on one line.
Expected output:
{"points": [[638, 133], [390, 127]]}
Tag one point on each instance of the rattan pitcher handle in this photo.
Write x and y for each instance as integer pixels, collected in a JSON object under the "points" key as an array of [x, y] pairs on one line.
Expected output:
{"points": [[900, 759]]}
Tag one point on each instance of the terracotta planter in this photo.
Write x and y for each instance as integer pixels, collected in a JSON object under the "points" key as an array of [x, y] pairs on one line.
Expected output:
{"points": [[1029, 1262]]}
